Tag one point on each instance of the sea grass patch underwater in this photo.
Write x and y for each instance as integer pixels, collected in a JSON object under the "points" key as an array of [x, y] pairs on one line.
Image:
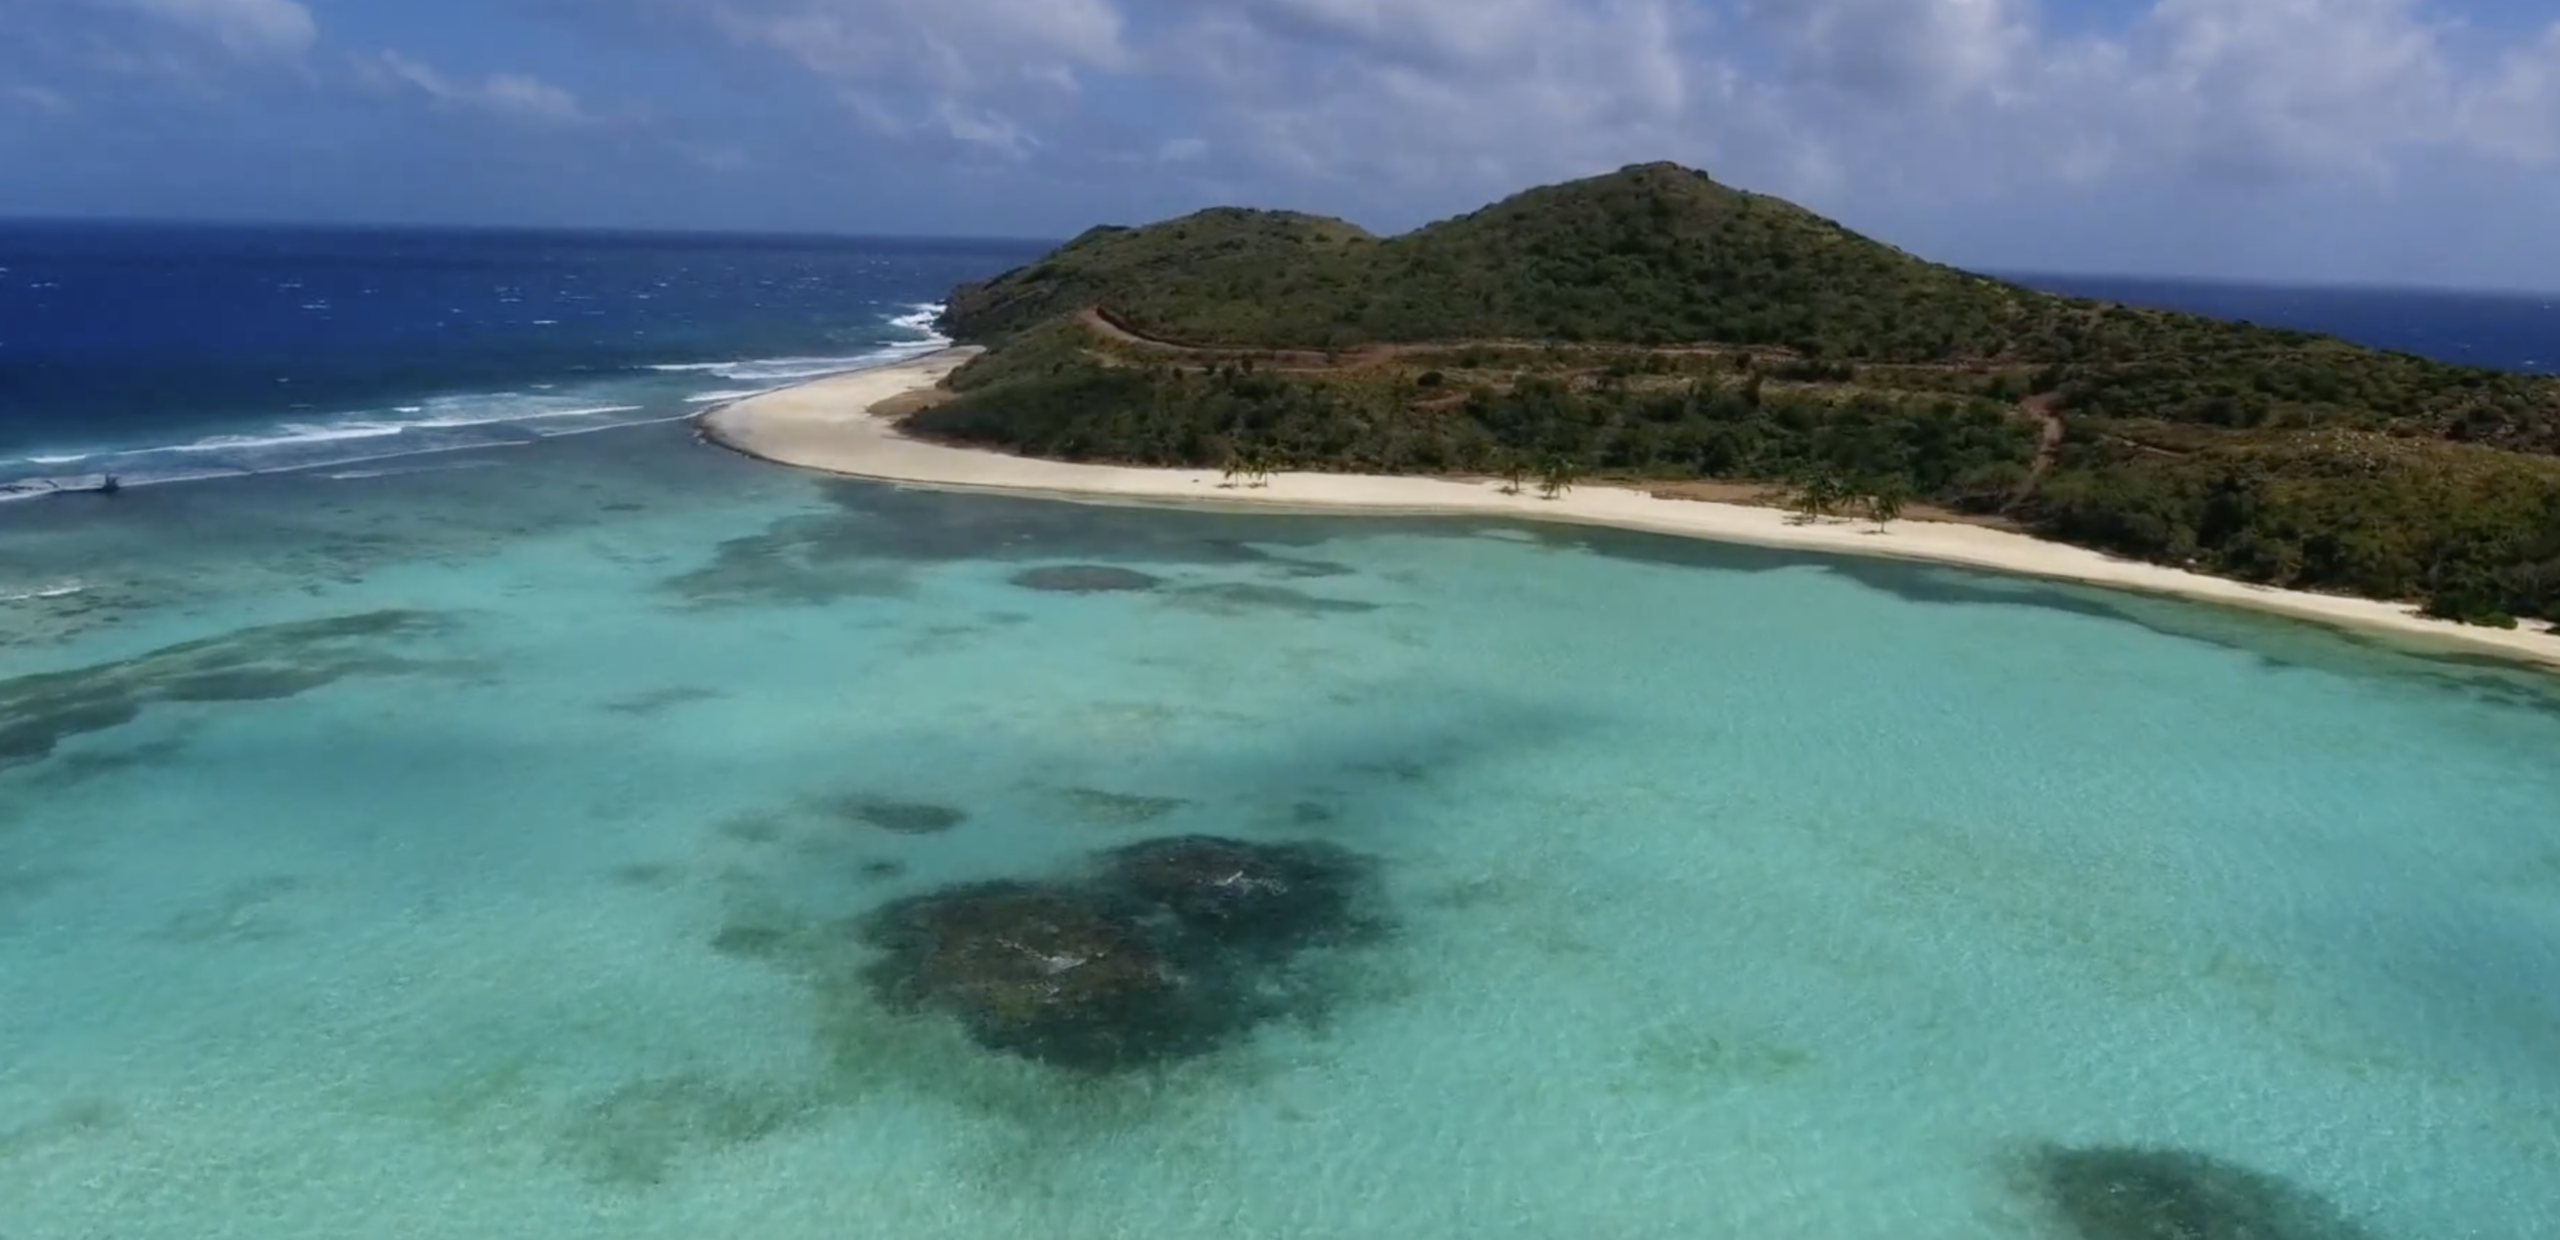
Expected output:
{"points": [[2161, 1193], [1236, 598], [1085, 579], [264, 663]]}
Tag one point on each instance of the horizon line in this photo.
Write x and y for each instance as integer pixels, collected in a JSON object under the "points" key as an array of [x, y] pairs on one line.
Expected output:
{"points": [[2025, 276]]}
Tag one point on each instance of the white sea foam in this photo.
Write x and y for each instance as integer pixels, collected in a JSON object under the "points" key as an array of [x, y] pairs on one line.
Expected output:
{"points": [[919, 320], [31, 594], [291, 434], [350, 475], [785, 369], [442, 424], [557, 431], [446, 423]]}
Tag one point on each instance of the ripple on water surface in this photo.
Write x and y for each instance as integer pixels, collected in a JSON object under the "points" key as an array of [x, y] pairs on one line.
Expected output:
{"points": [[713, 853]]}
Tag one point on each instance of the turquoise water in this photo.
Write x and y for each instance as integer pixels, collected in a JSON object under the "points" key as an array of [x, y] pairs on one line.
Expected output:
{"points": [[479, 854]]}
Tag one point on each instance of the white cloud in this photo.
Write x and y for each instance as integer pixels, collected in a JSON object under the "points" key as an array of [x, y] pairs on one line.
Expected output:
{"points": [[945, 46], [1896, 50], [1398, 107], [1394, 94], [965, 71], [506, 94], [248, 27], [2517, 113], [2263, 85], [987, 130], [38, 99], [714, 156]]}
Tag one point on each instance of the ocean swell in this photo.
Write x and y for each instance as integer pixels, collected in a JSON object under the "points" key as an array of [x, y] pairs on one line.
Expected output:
{"points": [[449, 423]]}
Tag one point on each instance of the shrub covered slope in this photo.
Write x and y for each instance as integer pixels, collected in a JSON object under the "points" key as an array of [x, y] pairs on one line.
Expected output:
{"points": [[1652, 324]]}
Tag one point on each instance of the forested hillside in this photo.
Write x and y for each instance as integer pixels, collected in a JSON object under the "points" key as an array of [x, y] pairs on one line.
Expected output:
{"points": [[1654, 325]]}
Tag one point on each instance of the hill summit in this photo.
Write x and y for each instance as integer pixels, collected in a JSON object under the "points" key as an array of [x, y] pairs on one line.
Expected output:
{"points": [[1651, 325], [1653, 253]]}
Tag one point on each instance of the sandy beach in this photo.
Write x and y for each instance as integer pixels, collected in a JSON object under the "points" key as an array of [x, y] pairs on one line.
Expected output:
{"points": [[829, 425]]}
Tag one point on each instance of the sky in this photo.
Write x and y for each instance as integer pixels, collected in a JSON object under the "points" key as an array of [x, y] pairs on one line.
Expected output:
{"points": [[2356, 141]]}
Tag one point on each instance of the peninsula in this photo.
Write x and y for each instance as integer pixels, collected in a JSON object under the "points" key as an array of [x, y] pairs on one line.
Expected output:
{"points": [[1646, 334]]}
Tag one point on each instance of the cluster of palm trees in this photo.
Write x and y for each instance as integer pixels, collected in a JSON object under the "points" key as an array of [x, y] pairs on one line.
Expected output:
{"points": [[1879, 498], [1553, 472], [1251, 464]]}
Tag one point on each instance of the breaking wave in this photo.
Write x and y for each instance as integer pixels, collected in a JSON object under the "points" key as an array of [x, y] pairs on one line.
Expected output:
{"points": [[450, 423]]}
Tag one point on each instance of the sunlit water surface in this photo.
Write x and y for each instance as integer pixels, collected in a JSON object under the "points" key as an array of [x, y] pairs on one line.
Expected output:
{"points": [[475, 855]]}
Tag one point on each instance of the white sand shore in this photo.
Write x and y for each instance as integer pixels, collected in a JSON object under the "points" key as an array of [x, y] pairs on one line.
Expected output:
{"points": [[828, 425]]}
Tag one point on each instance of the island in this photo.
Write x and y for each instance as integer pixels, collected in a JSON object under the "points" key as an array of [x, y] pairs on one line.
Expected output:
{"points": [[1613, 348]]}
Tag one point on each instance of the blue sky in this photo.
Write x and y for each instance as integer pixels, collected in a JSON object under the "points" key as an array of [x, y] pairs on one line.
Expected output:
{"points": [[2392, 141]]}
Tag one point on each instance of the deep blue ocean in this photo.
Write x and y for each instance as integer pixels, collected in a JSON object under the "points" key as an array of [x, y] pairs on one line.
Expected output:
{"points": [[2509, 331], [163, 353]]}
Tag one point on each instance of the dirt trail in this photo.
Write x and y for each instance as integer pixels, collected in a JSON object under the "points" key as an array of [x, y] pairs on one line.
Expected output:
{"points": [[1112, 327], [2041, 408]]}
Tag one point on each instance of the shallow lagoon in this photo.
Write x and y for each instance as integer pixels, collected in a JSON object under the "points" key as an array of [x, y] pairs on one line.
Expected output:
{"points": [[477, 854]]}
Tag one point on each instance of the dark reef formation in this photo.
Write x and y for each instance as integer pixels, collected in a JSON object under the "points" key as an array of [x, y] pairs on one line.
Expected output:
{"points": [[900, 817], [1038, 970], [1240, 597], [1085, 579], [1227, 892], [1120, 809], [1169, 950], [2136, 1193], [40, 711]]}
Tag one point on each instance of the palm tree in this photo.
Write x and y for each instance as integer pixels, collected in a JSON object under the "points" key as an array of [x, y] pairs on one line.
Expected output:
{"points": [[1815, 495], [1884, 497], [1250, 460], [1557, 474]]}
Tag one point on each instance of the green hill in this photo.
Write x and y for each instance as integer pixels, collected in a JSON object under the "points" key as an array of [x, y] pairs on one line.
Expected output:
{"points": [[1653, 325]]}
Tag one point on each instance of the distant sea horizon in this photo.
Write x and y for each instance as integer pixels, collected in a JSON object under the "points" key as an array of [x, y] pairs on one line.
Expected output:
{"points": [[166, 352], [2033, 278]]}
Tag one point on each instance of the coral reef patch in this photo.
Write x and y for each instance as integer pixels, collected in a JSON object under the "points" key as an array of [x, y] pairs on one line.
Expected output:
{"points": [[1166, 951]]}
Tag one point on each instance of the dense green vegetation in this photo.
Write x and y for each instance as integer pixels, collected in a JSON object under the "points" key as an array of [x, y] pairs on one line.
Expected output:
{"points": [[1651, 324], [1392, 422]]}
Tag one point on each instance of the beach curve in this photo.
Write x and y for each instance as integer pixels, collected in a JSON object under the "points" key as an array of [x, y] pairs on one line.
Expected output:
{"points": [[830, 425]]}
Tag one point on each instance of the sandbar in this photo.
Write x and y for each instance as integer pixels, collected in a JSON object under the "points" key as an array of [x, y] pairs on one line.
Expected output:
{"points": [[829, 424]]}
